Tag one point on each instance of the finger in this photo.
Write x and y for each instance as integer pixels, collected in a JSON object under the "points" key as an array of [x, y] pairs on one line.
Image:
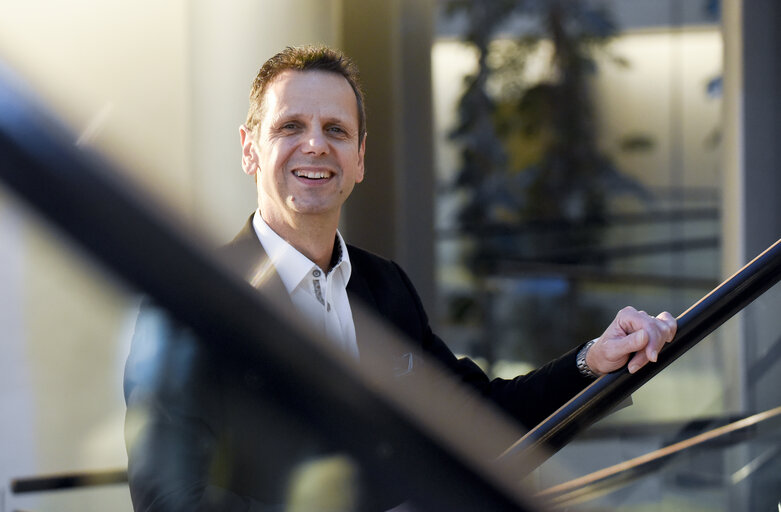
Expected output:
{"points": [[638, 361], [661, 330], [671, 323], [634, 342], [666, 317], [629, 319], [653, 347]]}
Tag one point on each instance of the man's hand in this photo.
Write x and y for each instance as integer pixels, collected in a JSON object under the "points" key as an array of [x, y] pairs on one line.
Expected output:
{"points": [[632, 332]]}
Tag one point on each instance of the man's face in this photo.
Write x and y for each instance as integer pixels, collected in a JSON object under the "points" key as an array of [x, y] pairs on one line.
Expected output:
{"points": [[306, 153]]}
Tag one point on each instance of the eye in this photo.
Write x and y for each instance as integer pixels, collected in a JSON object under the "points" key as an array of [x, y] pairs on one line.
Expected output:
{"points": [[337, 130]]}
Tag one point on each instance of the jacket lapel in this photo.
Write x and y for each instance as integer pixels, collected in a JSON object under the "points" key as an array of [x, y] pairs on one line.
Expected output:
{"points": [[361, 301], [246, 256]]}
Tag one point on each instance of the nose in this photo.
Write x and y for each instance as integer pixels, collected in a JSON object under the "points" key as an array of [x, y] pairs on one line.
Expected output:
{"points": [[315, 142]]}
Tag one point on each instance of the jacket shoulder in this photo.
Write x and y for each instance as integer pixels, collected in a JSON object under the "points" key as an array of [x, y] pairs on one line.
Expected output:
{"points": [[378, 272], [358, 255]]}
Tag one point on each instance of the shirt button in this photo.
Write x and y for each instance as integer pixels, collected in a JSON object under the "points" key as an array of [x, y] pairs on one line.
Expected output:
{"points": [[316, 273]]}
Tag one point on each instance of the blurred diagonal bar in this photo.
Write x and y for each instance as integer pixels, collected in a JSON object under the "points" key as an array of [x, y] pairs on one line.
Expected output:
{"points": [[605, 393], [86, 198]]}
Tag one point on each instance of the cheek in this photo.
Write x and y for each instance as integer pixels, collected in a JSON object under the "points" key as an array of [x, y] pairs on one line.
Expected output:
{"points": [[274, 165]]}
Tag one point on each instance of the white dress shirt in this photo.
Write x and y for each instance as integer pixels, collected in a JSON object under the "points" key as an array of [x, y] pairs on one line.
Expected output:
{"points": [[320, 297]]}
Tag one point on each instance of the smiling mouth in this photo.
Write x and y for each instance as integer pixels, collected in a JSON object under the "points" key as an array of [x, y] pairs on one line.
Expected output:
{"points": [[312, 175]]}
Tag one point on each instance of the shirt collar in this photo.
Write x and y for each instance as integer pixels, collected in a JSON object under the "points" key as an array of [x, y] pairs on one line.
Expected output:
{"points": [[290, 264]]}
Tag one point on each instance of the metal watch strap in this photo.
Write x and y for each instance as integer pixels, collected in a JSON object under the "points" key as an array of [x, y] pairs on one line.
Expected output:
{"points": [[580, 360]]}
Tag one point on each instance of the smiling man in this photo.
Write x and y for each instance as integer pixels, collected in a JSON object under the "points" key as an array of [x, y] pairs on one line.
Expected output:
{"points": [[305, 144], [207, 440]]}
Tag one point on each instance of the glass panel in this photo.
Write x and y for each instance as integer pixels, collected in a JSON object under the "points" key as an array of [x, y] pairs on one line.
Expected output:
{"points": [[585, 187], [531, 262], [711, 463], [742, 476], [66, 334]]}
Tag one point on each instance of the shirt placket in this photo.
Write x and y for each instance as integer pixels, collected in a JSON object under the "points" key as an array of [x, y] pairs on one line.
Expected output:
{"points": [[317, 286], [332, 321]]}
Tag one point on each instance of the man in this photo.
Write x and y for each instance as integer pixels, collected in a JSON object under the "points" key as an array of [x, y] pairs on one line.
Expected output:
{"points": [[198, 444]]}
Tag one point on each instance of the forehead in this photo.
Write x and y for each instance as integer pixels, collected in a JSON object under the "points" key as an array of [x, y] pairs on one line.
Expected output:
{"points": [[310, 93]]}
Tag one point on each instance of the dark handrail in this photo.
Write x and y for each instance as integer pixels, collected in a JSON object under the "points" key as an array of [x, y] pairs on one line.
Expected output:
{"points": [[86, 198], [694, 324]]}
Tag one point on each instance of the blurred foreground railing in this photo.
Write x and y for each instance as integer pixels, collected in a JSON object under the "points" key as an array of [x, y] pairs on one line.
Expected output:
{"points": [[87, 199]]}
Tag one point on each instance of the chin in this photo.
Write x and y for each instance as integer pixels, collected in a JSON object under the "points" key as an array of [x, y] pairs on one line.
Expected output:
{"points": [[312, 209]]}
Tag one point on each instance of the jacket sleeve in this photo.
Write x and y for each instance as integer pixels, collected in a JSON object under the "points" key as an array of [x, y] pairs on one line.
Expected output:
{"points": [[528, 398]]}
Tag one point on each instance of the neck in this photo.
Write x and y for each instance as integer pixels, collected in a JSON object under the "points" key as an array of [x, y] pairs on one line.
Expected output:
{"points": [[311, 235]]}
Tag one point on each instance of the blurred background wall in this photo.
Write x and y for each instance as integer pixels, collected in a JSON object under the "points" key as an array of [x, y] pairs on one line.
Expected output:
{"points": [[161, 88]]}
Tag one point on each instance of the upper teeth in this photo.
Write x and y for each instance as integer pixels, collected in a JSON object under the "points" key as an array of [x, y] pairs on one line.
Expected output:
{"points": [[311, 174]]}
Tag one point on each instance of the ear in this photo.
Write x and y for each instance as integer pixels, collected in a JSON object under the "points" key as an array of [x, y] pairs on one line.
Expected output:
{"points": [[250, 161], [361, 153]]}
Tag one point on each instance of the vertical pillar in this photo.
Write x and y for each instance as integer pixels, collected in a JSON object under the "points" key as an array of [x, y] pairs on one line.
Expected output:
{"points": [[733, 195], [752, 174], [752, 217], [762, 188], [391, 213]]}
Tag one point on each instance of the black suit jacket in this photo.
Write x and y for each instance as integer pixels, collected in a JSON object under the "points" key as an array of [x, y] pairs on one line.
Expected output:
{"points": [[201, 434]]}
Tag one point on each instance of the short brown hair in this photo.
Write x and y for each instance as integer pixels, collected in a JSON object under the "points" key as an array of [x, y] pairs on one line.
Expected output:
{"points": [[305, 58]]}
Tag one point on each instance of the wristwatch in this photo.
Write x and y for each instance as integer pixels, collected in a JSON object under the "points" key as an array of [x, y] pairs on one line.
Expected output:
{"points": [[580, 360]]}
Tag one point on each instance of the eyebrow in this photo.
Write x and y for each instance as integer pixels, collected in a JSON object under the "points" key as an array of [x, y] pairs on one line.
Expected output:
{"points": [[292, 115]]}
